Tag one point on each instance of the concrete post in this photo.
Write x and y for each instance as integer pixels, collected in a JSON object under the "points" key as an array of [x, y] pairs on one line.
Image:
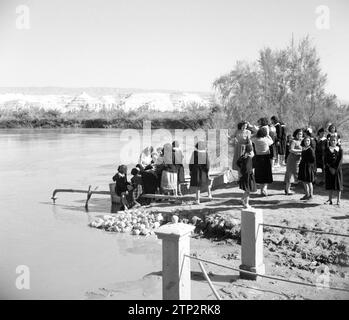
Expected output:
{"points": [[251, 242], [175, 267]]}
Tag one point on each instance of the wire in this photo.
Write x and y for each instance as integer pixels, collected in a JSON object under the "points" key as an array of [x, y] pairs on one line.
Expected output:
{"points": [[304, 230], [268, 277]]}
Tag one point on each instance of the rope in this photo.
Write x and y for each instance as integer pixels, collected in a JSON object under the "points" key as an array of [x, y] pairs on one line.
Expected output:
{"points": [[304, 230], [209, 281], [268, 277]]}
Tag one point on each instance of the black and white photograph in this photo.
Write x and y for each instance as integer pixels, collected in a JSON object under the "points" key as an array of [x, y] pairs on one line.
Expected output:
{"points": [[193, 150]]}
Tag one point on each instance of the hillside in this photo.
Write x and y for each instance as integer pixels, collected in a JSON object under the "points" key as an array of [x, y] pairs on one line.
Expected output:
{"points": [[96, 99]]}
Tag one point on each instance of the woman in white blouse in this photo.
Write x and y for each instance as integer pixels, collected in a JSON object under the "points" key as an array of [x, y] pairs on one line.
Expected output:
{"points": [[262, 163]]}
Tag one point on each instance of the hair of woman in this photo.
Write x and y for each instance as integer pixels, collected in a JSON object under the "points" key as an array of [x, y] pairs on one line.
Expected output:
{"points": [[321, 130], [263, 121], [331, 127], [241, 124], [262, 132], [295, 133], [274, 119], [135, 171], [122, 168]]}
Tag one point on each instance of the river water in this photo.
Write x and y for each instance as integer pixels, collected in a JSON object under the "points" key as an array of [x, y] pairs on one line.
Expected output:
{"points": [[64, 256]]}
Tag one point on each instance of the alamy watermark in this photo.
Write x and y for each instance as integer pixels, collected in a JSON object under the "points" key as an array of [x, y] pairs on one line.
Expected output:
{"points": [[22, 17], [23, 279], [322, 279], [135, 141], [322, 22]]}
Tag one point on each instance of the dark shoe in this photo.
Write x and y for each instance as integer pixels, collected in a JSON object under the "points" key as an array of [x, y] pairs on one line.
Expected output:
{"points": [[328, 202], [304, 198]]}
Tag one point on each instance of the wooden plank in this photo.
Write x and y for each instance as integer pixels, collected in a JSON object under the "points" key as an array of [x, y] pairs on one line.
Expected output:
{"points": [[185, 197]]}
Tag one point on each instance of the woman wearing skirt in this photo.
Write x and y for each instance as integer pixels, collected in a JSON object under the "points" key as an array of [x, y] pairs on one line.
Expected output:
{"points": [[333, 169], [199, 167], [293, 160], [178, 161], [169, 173], [307, 169], [262, 161]]}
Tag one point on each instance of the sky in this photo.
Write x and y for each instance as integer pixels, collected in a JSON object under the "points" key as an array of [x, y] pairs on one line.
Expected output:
{"points": [[160, 44]]}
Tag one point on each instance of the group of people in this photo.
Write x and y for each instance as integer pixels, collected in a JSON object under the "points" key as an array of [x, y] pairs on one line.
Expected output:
{"points": [[258, 148], [161, 171]]}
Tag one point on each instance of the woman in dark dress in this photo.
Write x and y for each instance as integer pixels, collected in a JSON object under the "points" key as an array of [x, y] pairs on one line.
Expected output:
{"points": [[333, 169], [280, 141], [178, 158], [199, 167], [150, 179], [321, 146], [247, 181], [307, 169]]}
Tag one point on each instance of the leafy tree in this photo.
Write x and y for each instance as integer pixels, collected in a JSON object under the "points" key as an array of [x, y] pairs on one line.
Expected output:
{"points": [[287, 82]]}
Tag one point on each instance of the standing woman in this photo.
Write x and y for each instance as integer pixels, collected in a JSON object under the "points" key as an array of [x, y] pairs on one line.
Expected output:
{"points": [[307, 168], [199, 167], [280, 142], [178, 161], [241, 138], [273, 147], [262, 163], [247, 180], [321, 146], [332, 132], [333, 169], [293, 160], [169, 172]]}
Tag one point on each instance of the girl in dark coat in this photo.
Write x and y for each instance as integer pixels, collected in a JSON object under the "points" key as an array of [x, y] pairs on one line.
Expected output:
{"points": [[247, 181], [123, 188], [333, 169], [321, 146], [307, 169], [199, 167], [150, 179]]}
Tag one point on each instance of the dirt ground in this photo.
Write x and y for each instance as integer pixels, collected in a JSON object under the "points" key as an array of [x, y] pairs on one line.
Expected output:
{"points": [[288, 254]]}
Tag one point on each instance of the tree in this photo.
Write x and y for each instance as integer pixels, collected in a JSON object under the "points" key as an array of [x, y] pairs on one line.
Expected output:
{"points": [[287, 82]]}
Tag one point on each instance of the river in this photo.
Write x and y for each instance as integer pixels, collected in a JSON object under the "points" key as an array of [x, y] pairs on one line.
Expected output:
{"points": [[64, 256]]}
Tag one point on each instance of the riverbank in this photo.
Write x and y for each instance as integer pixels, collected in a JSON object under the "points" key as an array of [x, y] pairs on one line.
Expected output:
{"points": [[38, 118], [288, 254]]}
